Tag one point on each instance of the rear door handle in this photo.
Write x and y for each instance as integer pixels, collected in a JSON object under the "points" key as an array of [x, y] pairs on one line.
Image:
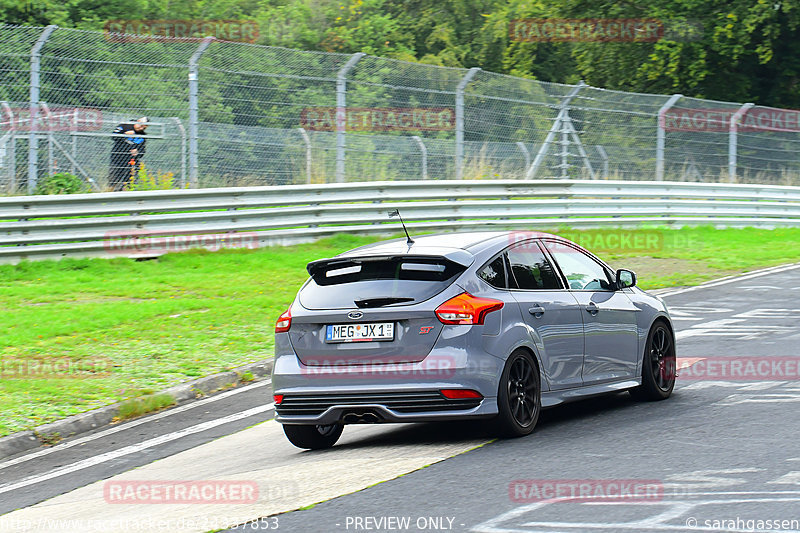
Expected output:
{"points": [[592, 308], [536, 311]]}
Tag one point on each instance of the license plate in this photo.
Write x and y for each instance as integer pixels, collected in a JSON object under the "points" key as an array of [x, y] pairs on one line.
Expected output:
{"points": [[383, 331]]}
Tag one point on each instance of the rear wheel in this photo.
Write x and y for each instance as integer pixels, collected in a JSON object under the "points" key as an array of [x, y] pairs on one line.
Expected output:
{"points": [[313, 437], [658, 365], [519, 397]]}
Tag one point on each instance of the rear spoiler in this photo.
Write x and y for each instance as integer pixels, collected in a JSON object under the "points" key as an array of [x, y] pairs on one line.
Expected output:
{"points": [[459, 257]]}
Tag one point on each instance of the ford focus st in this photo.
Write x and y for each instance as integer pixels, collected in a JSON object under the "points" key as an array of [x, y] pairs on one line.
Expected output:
{"points": [[489, 325]]}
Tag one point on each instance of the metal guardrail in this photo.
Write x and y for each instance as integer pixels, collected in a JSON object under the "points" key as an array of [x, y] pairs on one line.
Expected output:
{"points": [[147, 224]]}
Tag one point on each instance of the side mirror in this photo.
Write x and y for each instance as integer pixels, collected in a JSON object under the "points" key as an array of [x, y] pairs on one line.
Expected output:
{"points": [[625, 278]]}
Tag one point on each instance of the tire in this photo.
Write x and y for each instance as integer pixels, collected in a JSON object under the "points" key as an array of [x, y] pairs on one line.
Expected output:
{"points": [[311, 437], [519, 396], [658, 365]]}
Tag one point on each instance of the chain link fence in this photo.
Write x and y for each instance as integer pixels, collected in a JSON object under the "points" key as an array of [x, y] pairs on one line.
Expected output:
{"points": [[237, 114]]}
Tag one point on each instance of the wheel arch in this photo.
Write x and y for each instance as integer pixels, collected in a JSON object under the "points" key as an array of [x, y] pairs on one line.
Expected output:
{"points": [[537, 361], [664, 319]]}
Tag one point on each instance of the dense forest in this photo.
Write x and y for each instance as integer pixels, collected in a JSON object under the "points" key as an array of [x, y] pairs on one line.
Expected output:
{"points": [[738, 50]]}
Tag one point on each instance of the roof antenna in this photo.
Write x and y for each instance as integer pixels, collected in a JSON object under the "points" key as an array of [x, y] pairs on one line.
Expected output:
{"points": [[396, 213]]}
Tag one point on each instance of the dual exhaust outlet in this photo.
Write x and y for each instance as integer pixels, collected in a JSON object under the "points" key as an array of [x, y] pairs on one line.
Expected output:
{"points": [[366, 417]]}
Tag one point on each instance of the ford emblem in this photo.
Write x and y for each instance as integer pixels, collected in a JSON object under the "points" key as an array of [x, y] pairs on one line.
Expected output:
{"points": [[355, 315]]}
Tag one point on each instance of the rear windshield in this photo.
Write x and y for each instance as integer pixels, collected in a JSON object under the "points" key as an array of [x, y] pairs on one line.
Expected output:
{"points": [[377, 282]]}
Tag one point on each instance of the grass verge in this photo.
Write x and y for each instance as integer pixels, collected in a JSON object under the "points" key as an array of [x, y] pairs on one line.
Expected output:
{"points": [[144, 405], [79, 334]]}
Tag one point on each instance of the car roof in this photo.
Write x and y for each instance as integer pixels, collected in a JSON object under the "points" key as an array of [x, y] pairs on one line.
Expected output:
{"points": [[427, 244], [460, 247]]}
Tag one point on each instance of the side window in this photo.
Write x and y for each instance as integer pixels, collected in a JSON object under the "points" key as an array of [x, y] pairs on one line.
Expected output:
{"points": [[530, 268], [495, 273], [582, 272]]}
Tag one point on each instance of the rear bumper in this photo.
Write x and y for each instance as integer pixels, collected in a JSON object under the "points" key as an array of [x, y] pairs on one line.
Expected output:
{"points": [[377, 413], [407, 392]]}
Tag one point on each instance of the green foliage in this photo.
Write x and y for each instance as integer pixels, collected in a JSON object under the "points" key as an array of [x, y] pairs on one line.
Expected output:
{"points": [[61, 183], [153, 181], [746, 50]]}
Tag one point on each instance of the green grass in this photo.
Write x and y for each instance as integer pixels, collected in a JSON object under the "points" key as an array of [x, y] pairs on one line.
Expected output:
{"points": [[132, 328], [146, 404], [693, 255], [151, 323]]}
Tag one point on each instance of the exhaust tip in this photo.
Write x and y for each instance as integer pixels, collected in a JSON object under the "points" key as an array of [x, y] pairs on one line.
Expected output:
{"points": [[350, 418], [370, 418], [367, 417]]}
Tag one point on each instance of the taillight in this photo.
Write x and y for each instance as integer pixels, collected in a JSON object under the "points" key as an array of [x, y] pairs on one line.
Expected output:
{"points": [[459, 394], [466, 309], [278, 398], [284, 322]]}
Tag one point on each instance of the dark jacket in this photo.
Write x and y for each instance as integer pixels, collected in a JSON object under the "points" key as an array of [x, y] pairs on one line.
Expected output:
{"points": [[123, 163], [121, 150]]}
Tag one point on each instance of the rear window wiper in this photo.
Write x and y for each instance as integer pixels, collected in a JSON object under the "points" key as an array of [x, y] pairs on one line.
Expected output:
{"points": [[380, 302]]}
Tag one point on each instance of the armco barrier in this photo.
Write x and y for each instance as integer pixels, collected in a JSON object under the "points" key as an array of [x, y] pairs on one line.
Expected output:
{"points": [[142, 224]]}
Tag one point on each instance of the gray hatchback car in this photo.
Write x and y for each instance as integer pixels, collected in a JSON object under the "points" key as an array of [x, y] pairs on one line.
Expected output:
{"points": [[492, 325]]}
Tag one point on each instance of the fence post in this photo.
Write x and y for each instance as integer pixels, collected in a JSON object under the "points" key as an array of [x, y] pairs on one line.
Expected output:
{"points": [[74, 141], [33, 140], [49, 129], [341, 113], [11, 155], [557, 126], [424, 151], [604, 157], [565, 143], [460, 120], [183, 150], [733, 140], [525, 152], [307, 142], [661, 135], [193, 106]]}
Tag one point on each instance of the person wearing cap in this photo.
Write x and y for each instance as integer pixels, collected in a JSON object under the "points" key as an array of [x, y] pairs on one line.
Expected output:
{"points": [[126, 152]]}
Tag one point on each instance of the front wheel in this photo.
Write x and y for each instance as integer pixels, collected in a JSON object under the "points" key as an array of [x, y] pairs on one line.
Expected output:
{"points": [[313, 437], [519, 396], [658, 365]]}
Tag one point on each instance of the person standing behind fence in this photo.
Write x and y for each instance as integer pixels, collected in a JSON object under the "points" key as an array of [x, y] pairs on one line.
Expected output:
{"points": [[126, 153]]}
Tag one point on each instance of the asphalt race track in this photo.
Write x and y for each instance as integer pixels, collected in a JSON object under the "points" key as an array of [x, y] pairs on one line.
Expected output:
{"points": [[723, 453]]}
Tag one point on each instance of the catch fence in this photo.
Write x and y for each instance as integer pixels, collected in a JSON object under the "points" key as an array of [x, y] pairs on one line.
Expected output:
{"points": [[239, 114]]}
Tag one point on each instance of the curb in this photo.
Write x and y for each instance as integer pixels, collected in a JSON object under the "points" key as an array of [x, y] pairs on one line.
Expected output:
{"points": [[103, 416]]}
